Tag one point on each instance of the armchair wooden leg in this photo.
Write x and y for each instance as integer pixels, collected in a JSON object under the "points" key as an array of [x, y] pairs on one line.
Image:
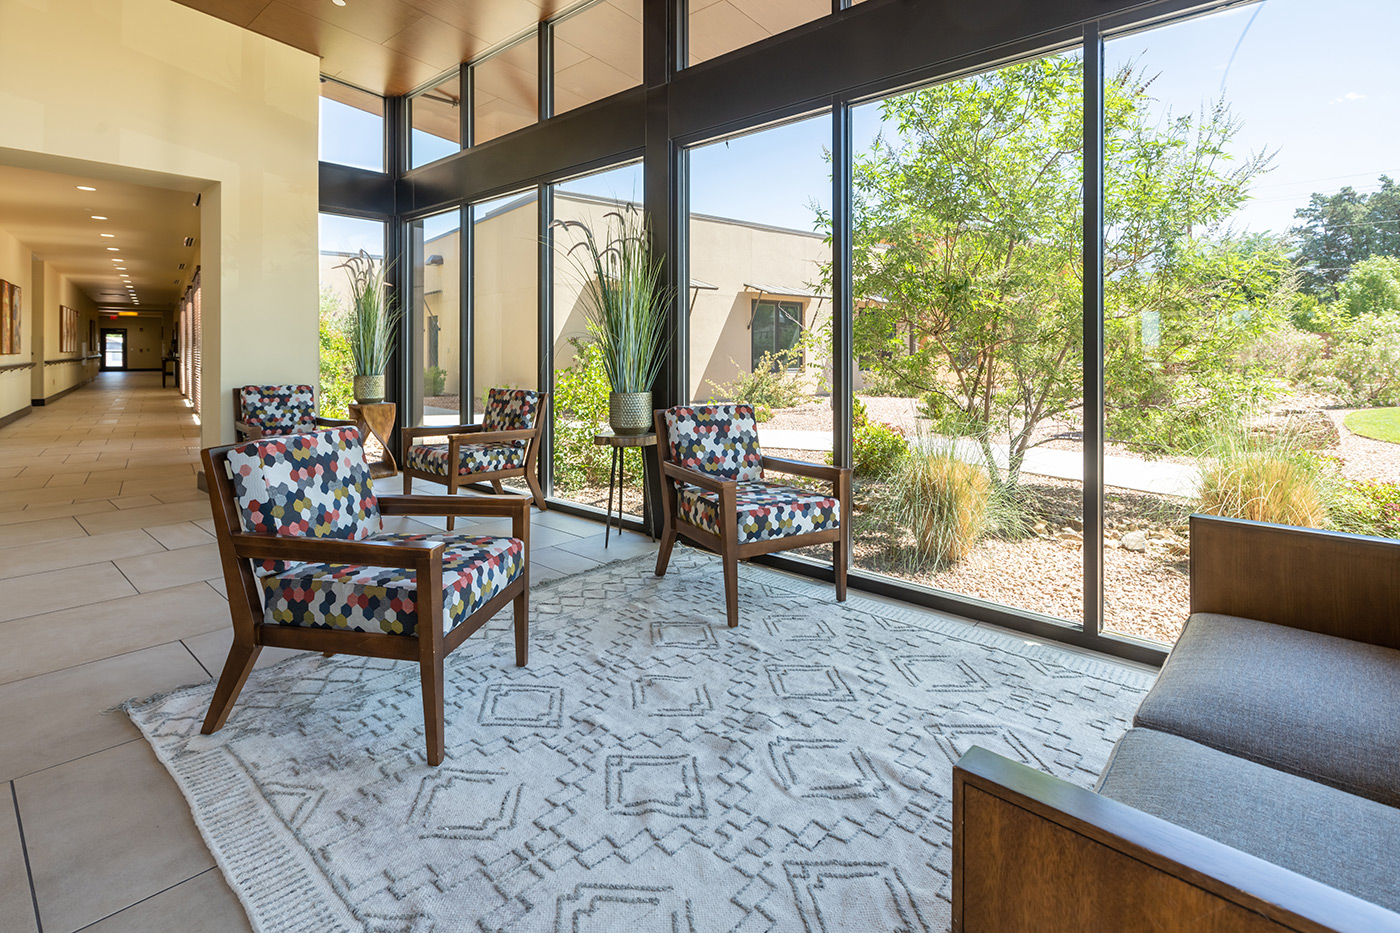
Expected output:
{"points": [[663, 553], [433, 719], [236, 670], [407, 483], [536, 492], [730, 559], [451, 491], [496, 485], [838, 563], [522, 627]]}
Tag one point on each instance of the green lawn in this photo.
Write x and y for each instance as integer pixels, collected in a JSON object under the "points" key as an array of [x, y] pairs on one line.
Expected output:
{"points": [[1383, 424]]}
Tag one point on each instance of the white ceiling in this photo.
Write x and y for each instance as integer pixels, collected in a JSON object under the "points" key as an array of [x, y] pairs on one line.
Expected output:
{"points": [[47, 213]]}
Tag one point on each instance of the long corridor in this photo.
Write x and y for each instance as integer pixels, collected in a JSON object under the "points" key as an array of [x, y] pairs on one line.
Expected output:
{"points": [[110, 588]]}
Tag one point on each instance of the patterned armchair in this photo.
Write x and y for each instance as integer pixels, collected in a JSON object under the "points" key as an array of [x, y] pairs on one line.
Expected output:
{"points": [[506, 443], [309, 565], [264, 411], [715, 493]]}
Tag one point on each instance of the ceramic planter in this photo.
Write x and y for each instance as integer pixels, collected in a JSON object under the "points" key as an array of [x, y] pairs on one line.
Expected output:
{"points": [[630, 413]]}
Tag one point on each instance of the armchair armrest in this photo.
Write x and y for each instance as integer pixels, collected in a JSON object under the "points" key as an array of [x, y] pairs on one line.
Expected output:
{"points": [[416, 555], [804, 468], [494, 437], [512, 507], [333, 422], [695, 478], [437, 430], [246, 431]]}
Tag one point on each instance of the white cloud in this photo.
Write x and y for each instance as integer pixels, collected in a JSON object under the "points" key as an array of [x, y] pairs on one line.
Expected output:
{"points": [[1348, 97]]}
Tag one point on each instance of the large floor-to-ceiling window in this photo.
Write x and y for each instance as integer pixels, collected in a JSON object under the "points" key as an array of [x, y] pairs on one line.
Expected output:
{"points": [[435, 318], [342, 238]]}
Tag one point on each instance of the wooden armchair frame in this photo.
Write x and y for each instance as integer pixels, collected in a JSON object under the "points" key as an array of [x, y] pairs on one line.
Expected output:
{"points": [[459, 434], [247, 432], [428, 647], [726, 544], [1033, 852]]}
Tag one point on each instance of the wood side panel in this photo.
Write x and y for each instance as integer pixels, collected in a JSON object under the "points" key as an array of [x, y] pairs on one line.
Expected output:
{"points": [[1318, 581]]}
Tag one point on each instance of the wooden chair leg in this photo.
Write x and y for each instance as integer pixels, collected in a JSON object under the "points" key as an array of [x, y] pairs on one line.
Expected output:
{"points": [[236, 670], [536, 492], [407, 483], [663, 552], [496, 485], [522, 627], [433, 718], [451, 491], [838, 563], [730, 559]]}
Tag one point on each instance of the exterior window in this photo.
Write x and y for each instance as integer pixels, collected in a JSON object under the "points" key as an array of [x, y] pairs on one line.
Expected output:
{"points": [[777, 325], [352, 126], [437, 122]]}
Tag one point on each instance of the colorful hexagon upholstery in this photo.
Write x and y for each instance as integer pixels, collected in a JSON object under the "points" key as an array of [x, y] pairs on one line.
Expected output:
{"points": [[279, 409], [511, 410], [472, 458], [385, 599], [305, 485], [766, 510], [717, 440]]}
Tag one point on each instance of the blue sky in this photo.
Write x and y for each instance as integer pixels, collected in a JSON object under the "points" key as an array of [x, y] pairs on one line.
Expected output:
{"points": [[1317, 81]]}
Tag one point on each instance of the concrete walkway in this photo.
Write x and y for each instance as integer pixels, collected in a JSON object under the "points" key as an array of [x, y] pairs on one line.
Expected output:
{"points": [[1154, 476]]}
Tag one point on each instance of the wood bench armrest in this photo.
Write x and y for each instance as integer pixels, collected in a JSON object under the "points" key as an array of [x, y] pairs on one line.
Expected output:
{"points": [[1034, 853]]}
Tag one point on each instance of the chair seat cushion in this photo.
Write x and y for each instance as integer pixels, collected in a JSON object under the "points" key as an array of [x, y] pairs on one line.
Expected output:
{"points": [[473, 458], [1326, 834], [1317, 706], [766, 510], [365, 598]]}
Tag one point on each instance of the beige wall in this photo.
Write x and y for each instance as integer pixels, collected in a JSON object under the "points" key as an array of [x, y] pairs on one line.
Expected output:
{"points": [[505, 349], [53, 290], [16, 267], [153, 86]]}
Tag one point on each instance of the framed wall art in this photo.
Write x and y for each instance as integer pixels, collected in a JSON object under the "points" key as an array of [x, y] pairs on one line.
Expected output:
{"points": [[67, 330], [6, 338], [14, 317]]}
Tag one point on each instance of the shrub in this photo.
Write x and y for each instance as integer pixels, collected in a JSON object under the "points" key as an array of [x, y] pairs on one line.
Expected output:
{"points": [[1369, 507], [336, 389], [764, 388], [1366, 359], [877, 447], [580, 406], [1290, 354], [946, 504], [1262, 481], [434, 381]]}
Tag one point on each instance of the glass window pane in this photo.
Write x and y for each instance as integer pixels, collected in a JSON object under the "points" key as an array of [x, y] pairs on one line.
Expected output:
{"points": [[597, 52], [435, 244], [759, 265], [340, 238], [968, 329], [352, 126], [436, 116], [720, 26], [1250, 315], [506, 91], [581, 385], [505, 303]]}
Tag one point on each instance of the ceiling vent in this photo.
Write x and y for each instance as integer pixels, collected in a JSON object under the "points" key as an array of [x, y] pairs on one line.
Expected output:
{"points": [[182, 265], [189, 241]]}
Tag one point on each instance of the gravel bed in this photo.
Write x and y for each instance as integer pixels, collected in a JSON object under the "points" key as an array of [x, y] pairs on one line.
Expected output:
{"points": [[1364, 457]]}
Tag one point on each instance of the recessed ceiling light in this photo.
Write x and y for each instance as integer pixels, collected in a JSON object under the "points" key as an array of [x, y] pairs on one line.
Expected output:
{"points": [[126, 276], [120, 268], [98, 217], [115, 249], [338, 2], [86, 188], [107, 234]]}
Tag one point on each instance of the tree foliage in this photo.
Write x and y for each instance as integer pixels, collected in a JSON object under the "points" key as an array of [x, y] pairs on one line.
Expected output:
{"points": [[337, 362], [1372, 287], [967, 252], [1337, 231]]}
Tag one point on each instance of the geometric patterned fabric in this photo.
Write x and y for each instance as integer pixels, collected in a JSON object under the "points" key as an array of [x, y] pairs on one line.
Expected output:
{"points": [[385, 599], [766, 510], [472, 458], [506, 410], [279, 409], [305, 485], [717, 440], [650, 770]]}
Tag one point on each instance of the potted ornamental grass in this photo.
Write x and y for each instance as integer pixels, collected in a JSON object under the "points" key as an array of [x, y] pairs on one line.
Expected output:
{"points": [[626, 303], [373, 318]]}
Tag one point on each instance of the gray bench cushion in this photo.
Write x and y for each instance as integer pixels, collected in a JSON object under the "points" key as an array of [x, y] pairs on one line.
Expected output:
{"points": [[1321, 707], [1342, 840]]}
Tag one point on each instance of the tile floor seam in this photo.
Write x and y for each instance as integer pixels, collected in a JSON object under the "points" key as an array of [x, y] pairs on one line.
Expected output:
{"points": [[143, 900], [196, 657], [24, 849]]}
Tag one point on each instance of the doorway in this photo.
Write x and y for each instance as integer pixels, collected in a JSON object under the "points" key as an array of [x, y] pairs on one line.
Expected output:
{"points": [[113, 349]]}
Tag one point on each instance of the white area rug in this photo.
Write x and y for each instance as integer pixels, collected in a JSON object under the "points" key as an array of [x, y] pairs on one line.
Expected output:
{"points": [[651, 770]]}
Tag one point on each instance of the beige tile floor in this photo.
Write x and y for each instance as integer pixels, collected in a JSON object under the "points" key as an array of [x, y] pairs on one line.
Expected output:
{"points": [[110, 588]]}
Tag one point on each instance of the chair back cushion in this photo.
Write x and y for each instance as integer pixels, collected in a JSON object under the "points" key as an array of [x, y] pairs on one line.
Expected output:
{"points": [[306, 485], [511, 410], [279, 409], [717, 440]]}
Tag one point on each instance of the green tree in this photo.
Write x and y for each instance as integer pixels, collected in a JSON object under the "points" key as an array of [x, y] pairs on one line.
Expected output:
{"points": [[336, 362], [1373, 287], [1340, 230], [968, 232]]}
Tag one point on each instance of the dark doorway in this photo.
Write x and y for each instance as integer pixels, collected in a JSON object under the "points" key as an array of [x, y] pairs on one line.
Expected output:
{"points": [[113, 349]]}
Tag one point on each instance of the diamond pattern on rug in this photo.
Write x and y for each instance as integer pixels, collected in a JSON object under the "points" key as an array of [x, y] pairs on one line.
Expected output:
{"points": [[650, 769]]}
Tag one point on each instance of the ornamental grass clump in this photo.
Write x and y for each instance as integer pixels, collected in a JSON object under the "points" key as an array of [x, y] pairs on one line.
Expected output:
{"points": [[944, 503], [373, 317], [1261, 480], [624, 297]]}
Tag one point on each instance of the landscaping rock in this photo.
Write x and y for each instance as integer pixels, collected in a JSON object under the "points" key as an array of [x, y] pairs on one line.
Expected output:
{"points": [[1134, 541], [1311, 430]]}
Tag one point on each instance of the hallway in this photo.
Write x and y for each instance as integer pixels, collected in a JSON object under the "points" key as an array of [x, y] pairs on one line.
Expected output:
{"points": [[110, 588]]}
